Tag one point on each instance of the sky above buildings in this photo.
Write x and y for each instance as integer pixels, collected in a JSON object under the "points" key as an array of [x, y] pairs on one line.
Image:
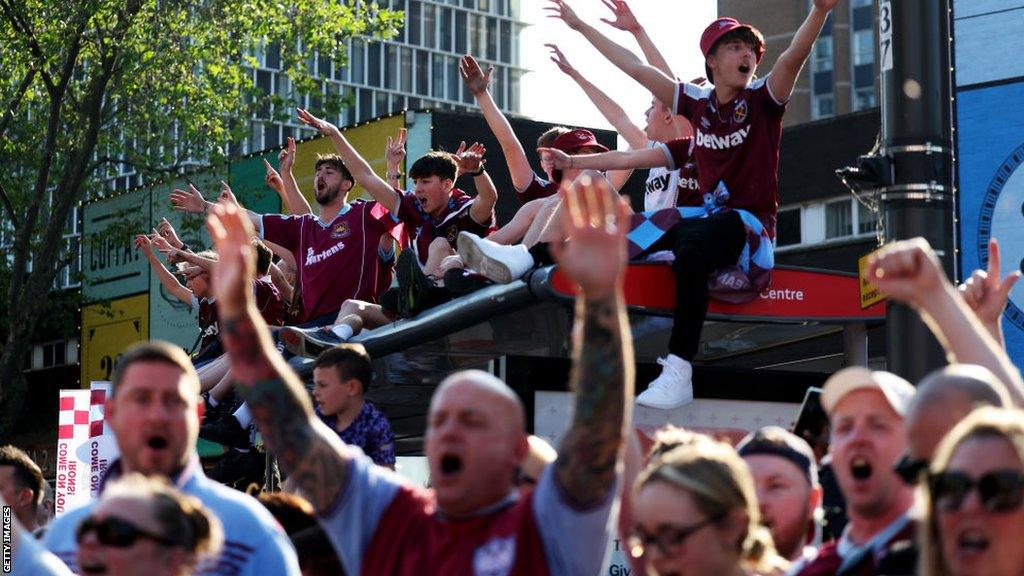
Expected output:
{"points": [[551, 96]]}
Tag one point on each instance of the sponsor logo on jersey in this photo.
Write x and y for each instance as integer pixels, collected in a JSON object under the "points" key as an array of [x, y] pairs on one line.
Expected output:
{"points": [[315, 258], [704, 122], [658, 184], [495, 557], [739, 113], [341, 231], [714, 142]]}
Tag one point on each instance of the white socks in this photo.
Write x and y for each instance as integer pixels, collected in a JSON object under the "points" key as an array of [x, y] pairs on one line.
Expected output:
{"points": [[342, 331]]}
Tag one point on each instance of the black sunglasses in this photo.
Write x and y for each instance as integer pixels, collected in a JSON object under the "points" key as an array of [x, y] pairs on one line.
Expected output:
{"points": [[117, 533], [909, 469], [668, 539], [999, 491]]}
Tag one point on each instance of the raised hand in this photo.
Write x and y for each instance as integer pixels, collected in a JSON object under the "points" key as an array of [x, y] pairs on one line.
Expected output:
{"points": [[144, 244], [985, 292], [908, 271], [554, 159], [273, 178], [624, 17], [226, 195], [559, 59], [323, 126], [159, 242], [826, 4], [559, 9], [231, 231], [471, 159], [595, 219], [475, 79], [190, 200], [286, 158], [394, 150], [165, 229]]}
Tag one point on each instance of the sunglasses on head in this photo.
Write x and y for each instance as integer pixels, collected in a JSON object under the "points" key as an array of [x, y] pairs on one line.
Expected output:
{"points": [[117, 533], [909, 469], [999, 491], [668, 538]]}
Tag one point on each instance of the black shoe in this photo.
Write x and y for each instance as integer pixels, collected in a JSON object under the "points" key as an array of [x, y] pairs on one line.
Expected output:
{"points": [[240, 469], [225, 430], [412, 284], [461, 281], [308, 342]]}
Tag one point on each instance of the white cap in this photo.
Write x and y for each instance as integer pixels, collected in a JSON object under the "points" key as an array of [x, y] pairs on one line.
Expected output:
{"points": [[897, 391]]}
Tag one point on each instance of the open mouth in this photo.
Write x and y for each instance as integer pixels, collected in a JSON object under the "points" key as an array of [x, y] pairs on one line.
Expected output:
{"points": [[320, 185], [861, 469], [422, 200], [972, 541], [157, 442], [450, 464], [93, 568], [745, 68]]}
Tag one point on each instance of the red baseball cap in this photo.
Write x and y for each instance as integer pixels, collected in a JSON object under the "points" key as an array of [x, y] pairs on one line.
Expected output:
{"points": [[575, 139], [720, 28]]}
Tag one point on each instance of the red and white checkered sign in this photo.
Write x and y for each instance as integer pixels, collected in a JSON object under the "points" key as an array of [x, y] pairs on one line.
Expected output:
{"points": [[102, 443], [72, 450]]}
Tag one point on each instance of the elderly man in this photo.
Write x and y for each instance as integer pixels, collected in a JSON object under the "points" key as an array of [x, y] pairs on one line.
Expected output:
{"points": [[473, 521], [154, 415], [866, 411]]}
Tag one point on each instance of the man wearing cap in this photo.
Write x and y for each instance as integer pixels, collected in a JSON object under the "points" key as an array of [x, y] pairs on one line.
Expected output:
{"points": [[737, 126], [866, 410], [788, 492]]}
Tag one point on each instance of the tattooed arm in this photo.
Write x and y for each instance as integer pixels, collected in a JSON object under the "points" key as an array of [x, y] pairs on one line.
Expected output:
{"points": [[313, 455], [597, 220]]}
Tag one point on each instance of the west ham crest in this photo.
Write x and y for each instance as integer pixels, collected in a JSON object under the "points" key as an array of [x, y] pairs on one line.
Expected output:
{"points": [[341, 231], [495, 557], [739, 113]]}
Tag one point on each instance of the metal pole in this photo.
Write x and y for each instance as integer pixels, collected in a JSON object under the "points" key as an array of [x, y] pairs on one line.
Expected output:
{"points": [[917, 116]]}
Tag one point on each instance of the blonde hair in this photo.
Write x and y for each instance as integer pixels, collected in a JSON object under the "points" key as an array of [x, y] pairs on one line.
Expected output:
{"points": [[719, 482], [182, 518], [987, 422]]}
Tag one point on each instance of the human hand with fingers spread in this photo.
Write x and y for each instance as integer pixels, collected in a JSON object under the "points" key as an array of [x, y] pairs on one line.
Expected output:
{"points": [[559, 9], [190, 200], [323, 126], [232, 276], [144, 244], [226, 195], [286, 158], [595, 219], [394, 150], [561, 61], [624, 20], [554, 159], [908, 271], [160, 243], [472, 159], [986, 292], [475, 79]]}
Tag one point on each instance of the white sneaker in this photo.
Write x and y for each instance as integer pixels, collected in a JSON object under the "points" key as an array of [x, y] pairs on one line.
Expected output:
{"points": [[496, 262], [673, 388]]}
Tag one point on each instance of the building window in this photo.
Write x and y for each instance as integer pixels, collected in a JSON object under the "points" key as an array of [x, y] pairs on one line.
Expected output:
{"points": [[867, 221], [824, 105], [412, 22], [787, 229], [863, 47], [838, 219], [429, 26], [824, 54], [864, 98]]}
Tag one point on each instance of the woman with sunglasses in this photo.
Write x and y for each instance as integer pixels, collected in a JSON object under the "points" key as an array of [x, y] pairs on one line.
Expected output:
{"points": [[973, 513], [144, 526], [695, 513]]}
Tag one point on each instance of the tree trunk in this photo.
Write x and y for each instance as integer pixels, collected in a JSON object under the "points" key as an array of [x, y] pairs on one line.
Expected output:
{"points": [[12, 380]]}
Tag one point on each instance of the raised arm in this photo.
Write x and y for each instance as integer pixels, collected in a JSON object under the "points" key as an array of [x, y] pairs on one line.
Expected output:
{"points": [[394, 153], [192, 201], [313, 455], [910, 272], [476, 81], [602, 375], [554, 159], [986, 292], [284, 182], [787, 67], [660, 84], [471, 162], [625, 20], [361, 171], [173, 286], [197, 260]]}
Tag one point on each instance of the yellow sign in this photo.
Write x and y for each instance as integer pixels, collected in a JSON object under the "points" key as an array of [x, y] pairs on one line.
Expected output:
{"points": [[107, 329], [368, 139], [869, 294]]}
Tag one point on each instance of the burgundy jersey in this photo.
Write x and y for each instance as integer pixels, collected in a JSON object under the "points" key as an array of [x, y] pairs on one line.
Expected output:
{"points": [[672, 187], [336, 260], [269, 301], [208, 326], [737, 143], [424, 228], [538, 188]]}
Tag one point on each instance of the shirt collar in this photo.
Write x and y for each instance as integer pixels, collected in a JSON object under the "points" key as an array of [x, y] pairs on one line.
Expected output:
{"points": [[191, 471]]}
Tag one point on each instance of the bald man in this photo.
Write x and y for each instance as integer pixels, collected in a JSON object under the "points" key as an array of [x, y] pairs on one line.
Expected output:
{"points": [[944, 398], [473, 521]]}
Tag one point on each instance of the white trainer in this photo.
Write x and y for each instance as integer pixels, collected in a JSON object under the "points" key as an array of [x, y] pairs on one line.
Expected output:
{"points": [[673, 388], [496, 262]]}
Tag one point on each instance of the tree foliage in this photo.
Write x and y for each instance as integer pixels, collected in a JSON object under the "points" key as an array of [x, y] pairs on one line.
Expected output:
{"points": [[88, 87]]}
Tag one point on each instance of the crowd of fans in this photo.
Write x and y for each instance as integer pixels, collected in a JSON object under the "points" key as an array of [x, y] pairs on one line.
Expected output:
{"points": [[928, 476]]}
